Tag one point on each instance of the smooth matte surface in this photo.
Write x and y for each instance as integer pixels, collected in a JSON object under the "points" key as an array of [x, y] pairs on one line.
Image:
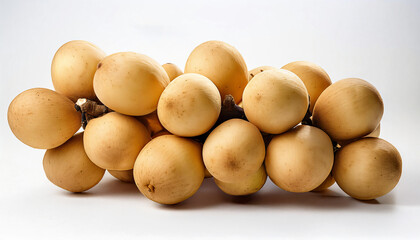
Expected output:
{"points": [[374, 40]]}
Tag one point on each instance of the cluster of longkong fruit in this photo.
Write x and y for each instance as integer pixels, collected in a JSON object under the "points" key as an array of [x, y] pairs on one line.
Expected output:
{"points": [[166, 130]]}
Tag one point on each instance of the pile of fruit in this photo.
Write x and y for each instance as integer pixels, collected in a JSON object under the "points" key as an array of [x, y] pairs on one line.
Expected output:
{"points": [[167, 130]]}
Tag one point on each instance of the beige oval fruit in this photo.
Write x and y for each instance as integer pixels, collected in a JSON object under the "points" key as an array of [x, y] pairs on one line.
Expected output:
{"points": [[73, 67], [152, 123], [172, 70], [123, 175], [68, 166], [368, 168], [275, 101], [42, 118], [348, 109], [300, 159], [189, 106], [315, 78], [222, 64], [255, 71], [249, 185], [328, 182], [130, 83], [113, 140], [233, 150], [169, 169]]}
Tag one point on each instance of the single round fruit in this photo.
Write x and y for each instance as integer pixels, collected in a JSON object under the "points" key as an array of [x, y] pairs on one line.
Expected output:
{"points": [[113, 140], [73, 67], [189, 106], [222, 64], [300, 159], [68, 166], [130, 83], [368, 168], [275, 101], [328, 182], [249, 185], [123, 175], [315, 78], [255, 71], [233, 150], [152, 123], [169, 169], [172, 70], [42, 118], [348, 109]]}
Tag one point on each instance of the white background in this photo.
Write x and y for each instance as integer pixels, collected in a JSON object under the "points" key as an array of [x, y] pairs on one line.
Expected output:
{"points": [[375, 40]]}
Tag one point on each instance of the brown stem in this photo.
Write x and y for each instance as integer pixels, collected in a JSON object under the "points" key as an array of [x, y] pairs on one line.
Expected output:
{"points": [[336, 147], [90, 110], [230, 110]]}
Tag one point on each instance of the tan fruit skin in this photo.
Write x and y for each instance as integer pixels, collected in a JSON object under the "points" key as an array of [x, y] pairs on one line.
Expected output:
{"points": [[169, 169], [172, 70], [189, 106], [123, 175], [68, 166], [328, 182], [368, 168], [152, 123], [222, 64], [348, 109], [375, 133], [275, 101], [113, 141], [130, 83], [249, 185], [315, 78], [73, 67], [42, 118], [252, 73], [233, 150], [300, 159]]}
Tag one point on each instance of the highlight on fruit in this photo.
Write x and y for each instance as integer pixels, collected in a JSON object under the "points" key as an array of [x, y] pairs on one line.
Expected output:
{"points": [[165, 129]]}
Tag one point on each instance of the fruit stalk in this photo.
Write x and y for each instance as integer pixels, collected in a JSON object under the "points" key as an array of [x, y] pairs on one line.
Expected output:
{"points": [[90, 110]]}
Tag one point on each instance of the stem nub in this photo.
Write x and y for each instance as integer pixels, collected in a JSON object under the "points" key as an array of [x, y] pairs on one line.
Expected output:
{"points": [[230, 110], [90, 110]]}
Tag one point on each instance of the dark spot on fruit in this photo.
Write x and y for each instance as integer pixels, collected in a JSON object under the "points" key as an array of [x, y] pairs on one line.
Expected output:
{"points": [[99, 65], [169, 104], [151, 188], [231, 163]]}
